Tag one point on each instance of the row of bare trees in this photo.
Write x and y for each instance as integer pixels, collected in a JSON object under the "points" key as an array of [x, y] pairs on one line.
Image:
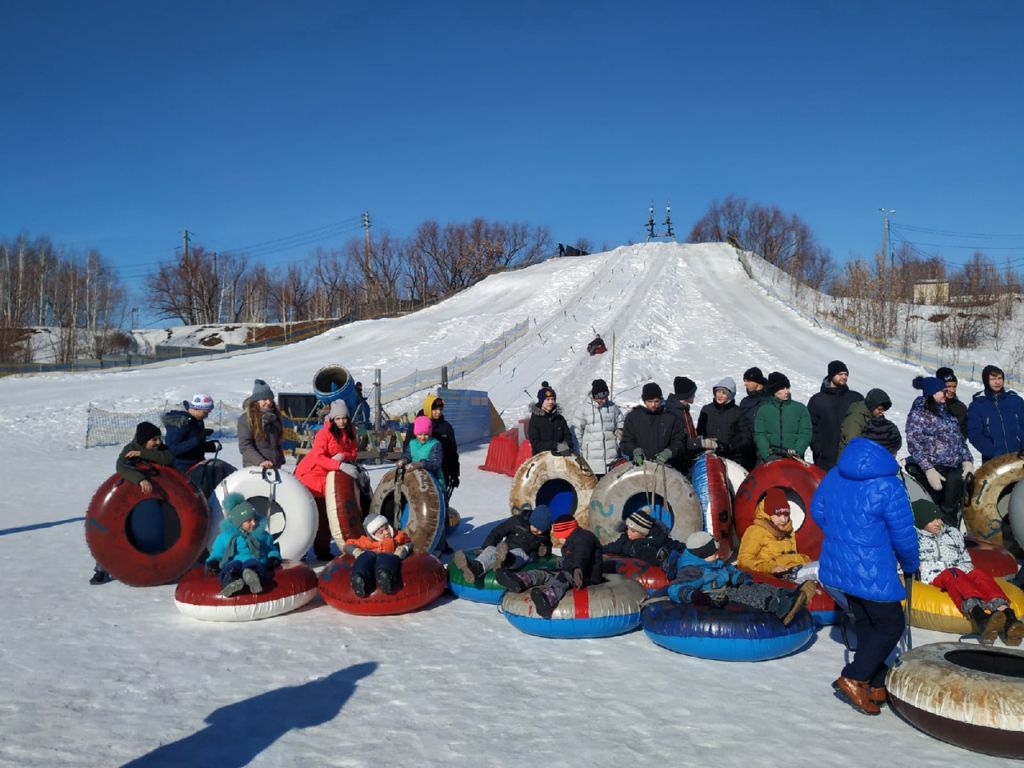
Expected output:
{"points": [[80, 294]]}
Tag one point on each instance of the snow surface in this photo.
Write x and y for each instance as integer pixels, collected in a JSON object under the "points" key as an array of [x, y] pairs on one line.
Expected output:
{"points": [[104, 676]]}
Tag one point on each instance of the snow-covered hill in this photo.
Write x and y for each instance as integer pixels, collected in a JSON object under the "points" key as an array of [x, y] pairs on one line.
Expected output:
{"points": [[99, 676]]}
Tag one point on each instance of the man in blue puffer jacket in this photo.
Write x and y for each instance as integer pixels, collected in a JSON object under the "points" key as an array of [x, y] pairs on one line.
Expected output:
{"points": [[864, 511], [186, 436], [995, 417]]}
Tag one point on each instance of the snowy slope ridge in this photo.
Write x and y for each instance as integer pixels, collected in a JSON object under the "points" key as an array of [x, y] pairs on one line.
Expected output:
{"points": [[103, 676]]}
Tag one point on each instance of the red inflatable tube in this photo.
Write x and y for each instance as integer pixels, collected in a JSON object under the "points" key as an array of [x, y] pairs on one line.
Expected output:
{"points": [[797, 479], [107, 523], [289, 587], [993, 560], [423, 581], [648, 576]]}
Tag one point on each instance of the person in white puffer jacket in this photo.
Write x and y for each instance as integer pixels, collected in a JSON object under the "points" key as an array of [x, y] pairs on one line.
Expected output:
{"points": [[597, 427]]}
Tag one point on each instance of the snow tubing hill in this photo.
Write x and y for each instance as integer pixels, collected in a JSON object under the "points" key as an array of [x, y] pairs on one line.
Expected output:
{"points": [[564, 483], [280, 497], [968, 695], [602, 610], [290, 587], [931, 608], [732, 633], [423, 581], [485, 589], [711, 485], [626, 488], [799, 480], [423, 509], [174, 519], [988, 504]]}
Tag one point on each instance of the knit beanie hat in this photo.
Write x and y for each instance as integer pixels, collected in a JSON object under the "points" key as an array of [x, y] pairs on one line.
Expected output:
{"points": [[777, 381], [598, 387], [540, 518], [200, 402], [563, 526], [261, 391], [338, 408], [928, 384], [987, 371], [877, 397], [421, 426], [775, 501], [754, 374], [701, 544], [545, 392], [146, 431], [946, 374], [651, 391], [837, 366], [684, 387], [925, 510], [640, 521], [374, 523], [237, 509], [728, 385]]}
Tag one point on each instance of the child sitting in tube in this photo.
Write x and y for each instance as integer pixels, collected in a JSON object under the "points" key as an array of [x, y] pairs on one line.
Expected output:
{"points": [[515, 542], [579, 567], [145, 446], [645, 539], [945, 564], [702, 579], [769, 545], [379, 556], [244, 553]]}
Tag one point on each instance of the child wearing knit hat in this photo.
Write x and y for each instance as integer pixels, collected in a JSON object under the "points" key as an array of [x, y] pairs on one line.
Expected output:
{"points": [[699, 577], [519, 540], [547, 429], [769, 544], [244, 553], [644, 538], [379, 555], [945, 564]]}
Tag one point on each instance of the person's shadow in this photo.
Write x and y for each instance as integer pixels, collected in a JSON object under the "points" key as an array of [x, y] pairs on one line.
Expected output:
{"points": [[238, 732]]}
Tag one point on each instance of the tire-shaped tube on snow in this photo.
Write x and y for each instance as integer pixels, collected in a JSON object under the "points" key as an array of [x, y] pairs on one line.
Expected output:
{"points": [[799, 480], [485, 589], [423, 507], [711, 485], [344, 514], [626, 488], [288, 505], [931, 608], [993, 483], [423, 581], [290, 587], [107, 522], [602, 610], [964, 694], [564, 483]]}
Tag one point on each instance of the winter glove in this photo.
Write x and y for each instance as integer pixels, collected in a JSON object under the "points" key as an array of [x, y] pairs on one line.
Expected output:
{"points": [[935, 480], [273, 562], [452, 482], [662, 457], [212, 446], [968, 468], [212, 567], [542, 550], [352, 549], [709, 444], [717, 596], [207, 432], [561, 449], [638, 457], [403, 551]]}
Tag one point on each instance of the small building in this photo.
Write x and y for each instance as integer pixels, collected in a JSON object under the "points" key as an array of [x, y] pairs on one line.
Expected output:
{"points": [[931, 292]]}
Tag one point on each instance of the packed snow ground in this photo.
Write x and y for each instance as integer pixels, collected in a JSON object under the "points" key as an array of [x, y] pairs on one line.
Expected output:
{"points": [[103, 676]]}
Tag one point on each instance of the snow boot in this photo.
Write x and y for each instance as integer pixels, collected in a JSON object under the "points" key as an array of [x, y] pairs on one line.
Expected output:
{"points": [[501, 555], [989, 624], [510, 580], [878, 694], [99, 576], [1013, 632], [252, 581], [857, 694], [543, 601], [231, 588], [386, 582], [788, 602], [359, 588], [465, 565]]}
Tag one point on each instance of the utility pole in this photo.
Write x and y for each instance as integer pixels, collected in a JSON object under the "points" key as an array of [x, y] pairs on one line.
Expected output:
{"points": [[668, 221], [650, 223], [366, 258], [186, 234], [886, 252]]}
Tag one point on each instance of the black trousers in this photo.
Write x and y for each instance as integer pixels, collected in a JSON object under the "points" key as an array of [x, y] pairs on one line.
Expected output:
{"points": [[879, 627]]}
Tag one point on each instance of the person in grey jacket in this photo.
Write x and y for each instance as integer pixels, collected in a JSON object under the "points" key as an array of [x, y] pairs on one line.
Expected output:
{"points": [[597, 426], [260, 429]]}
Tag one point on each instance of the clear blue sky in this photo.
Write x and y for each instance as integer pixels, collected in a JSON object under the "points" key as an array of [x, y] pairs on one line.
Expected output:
{"points": [[124, 123]]}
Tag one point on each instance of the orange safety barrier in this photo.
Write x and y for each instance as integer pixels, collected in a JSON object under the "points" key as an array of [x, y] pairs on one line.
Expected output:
{"points": [[525, 452], [501, 453]]}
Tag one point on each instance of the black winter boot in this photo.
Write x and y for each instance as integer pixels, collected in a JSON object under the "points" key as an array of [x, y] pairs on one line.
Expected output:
{"points": [[989, 624], [510, 580], [1013, 632], [359, 586]]}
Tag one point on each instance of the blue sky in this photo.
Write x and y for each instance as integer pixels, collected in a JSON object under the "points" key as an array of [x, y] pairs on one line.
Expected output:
{"points": [[247, 122]]}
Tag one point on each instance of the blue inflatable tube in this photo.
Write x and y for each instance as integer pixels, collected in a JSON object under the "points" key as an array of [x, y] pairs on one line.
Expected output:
{"points": [[603, 610], [732, 633]]}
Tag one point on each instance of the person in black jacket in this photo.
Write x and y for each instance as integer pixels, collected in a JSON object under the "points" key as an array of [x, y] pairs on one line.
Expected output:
{"points": [[719, 423], [548, 429], [754, 382], [186, 436], [645, 539], [954, 405], [512, 544], [444, 433], [828, 409], [579, 567], [651, 432]]}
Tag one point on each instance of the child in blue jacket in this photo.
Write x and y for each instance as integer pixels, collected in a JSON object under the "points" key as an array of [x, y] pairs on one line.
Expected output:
{"points": [[701, 578], [244, 553]]}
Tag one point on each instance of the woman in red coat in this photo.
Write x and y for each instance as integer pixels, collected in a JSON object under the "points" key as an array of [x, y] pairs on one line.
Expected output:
{"points": [[334, 444]]}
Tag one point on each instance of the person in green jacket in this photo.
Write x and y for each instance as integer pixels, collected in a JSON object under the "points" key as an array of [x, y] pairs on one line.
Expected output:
{"points": [[782, 426]]}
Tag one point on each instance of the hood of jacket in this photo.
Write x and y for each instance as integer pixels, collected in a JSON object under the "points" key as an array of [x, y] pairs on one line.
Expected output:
{"points": [[536, 410], [829, 389], [764, 520], [865, 459]]}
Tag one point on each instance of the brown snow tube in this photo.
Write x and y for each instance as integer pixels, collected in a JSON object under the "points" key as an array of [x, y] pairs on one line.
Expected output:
{"points": [[968, 695], [987, 506], [564, 483], [422, 510], [344, 514]]}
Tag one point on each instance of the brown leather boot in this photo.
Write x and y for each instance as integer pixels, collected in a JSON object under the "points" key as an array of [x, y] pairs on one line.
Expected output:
{"points": [[878, 694], [1013, 632], [856, 693], [988, 624]]}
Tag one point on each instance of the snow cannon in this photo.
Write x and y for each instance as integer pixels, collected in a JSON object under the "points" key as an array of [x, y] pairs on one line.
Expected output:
{"points": [[333, 382]]}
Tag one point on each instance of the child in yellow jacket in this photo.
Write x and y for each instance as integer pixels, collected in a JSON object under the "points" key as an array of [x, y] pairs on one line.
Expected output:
{"points": [[769, 545]]}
